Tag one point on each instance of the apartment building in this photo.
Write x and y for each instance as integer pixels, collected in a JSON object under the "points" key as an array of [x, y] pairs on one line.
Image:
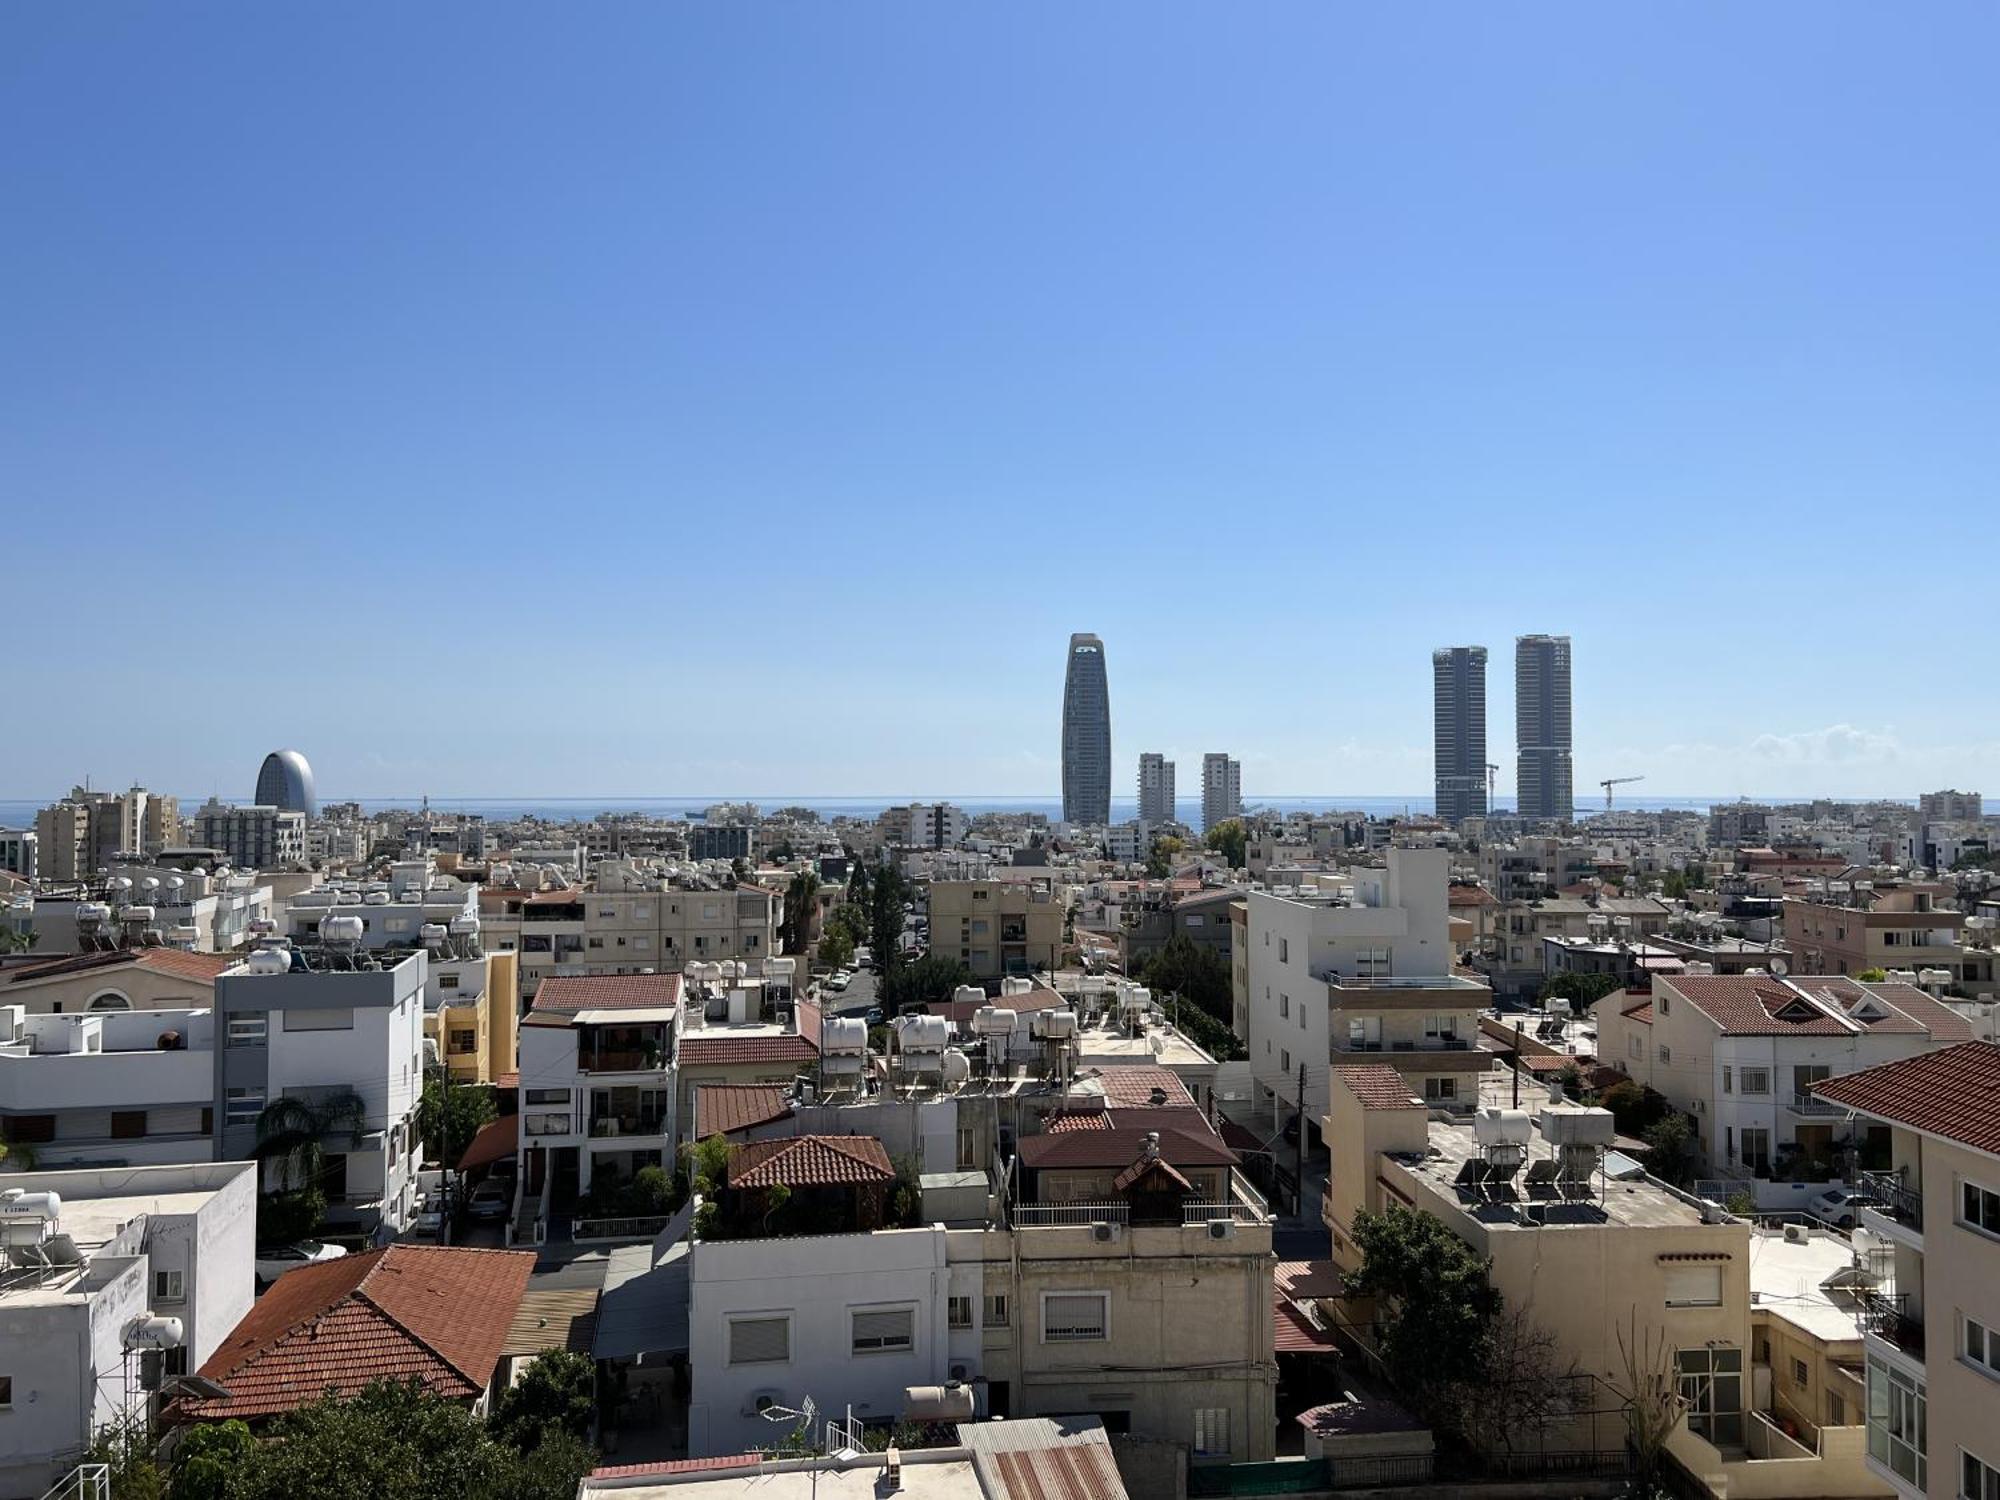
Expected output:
{"points": [[1740, 1055], [1851, 926], [1932, 1334], [472, 1017], [998, 927], [21, 853], [157, 1260], [1129, 1278], [1156, 789], [1221, 790], [1459, 720], [925, 825], [1342, 973], [1950, 807], [1086, 733], [347, 1025], [1515, 956], [1542, 727], [721, 841], [255, 837]]}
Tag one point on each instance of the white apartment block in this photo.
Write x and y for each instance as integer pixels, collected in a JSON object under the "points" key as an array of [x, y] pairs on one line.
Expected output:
{"points": [[1341, 974], [1156, 789], [253, 837], [1741, 1053], [162, 1256], [925, 825], [1221, 790]]}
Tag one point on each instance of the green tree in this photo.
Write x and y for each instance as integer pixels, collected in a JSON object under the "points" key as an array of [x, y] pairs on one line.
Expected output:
{"points": [[924, 981], [886, 905], [1227, 838], [1435, 1306], [851, 922], [208, 1453], [836, 948], [1184, 967], [1873, 976], [801, 911], [17, 940], [400, 1442], [450, 1115], [1160, 858], [1671, 1150], [1579, 989], [859, 892], [291, 1136], [1635, 1109], [557, 1392]]}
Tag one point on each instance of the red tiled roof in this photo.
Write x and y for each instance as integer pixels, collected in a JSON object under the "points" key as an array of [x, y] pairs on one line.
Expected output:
{"points": [[566, 994], [496, 1140], [436, 1313], [1076, 1119], [1542, 1062], [1954, 1093], [1759, 1005], [200, 967], [1118, 1147], [1130, 1085], [679, 1466], [725, 1108], [1147, 1166], [1642, 1013], [720, 1051], [807, 1161], [1378, 1086], [1469, 895]]}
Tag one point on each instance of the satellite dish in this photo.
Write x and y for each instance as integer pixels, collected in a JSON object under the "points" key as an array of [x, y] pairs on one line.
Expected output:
{"points": [[1780, 967]]}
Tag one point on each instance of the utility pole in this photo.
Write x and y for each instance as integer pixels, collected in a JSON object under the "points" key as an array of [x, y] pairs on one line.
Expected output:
{"points": [[1517, 1065], [1299, 1156]]}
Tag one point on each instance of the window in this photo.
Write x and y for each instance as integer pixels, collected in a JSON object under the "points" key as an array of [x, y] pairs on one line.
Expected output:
{"points": [[1756, 1080], [996, 1310], [884, 1330], [1284, 950], [1285, 1061], [1211, 1432], [1075, 1317], [464, 1040], [1636, 1046], [128, 1124], [1836, 1410], [1665, 1003], [1981, 1346], [1284, 1007], [959, 1311], [447, 981], [1977, 1480], [548, 1096], [760, 1341], [167, 1286], [1728, 1079], [1712, 1384], [1694, 1286], [1800, 1374], [1898, 1423], [968, 1148], [1436, 1089], [1979, 1208], [248, 1029], [1757, 1148], [240, 1106], [1666, 1053], [6, 1392]]}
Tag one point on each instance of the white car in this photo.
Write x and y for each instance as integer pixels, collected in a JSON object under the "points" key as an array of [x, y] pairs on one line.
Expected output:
{"points": [[1837, 1206], [840, 981], [273, 1263]]}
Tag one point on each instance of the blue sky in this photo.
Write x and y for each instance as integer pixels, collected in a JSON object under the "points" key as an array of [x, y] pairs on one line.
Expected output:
{"points": [[657, 398]]}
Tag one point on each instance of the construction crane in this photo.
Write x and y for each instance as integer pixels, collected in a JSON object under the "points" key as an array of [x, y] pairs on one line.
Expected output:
{"points": [[1610, 782]]}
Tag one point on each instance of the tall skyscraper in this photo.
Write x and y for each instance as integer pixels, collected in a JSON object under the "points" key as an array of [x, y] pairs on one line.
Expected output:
{"points": [[1542, 726], [1460, 673], [1086, 734], [1221, 790], [1156, 788]]}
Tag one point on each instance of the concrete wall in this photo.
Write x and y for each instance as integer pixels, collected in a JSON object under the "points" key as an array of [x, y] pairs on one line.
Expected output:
{"points": [[1961, 1279]]}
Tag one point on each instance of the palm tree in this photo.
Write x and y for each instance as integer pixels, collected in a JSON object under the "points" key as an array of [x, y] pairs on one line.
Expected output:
{"points": [[14, 940], [290, 1132], [801, 908]]}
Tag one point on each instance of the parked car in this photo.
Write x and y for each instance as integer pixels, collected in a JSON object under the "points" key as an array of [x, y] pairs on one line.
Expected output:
{"points": [[276, 1261], [491, 1200], [1838, 1206], [840, 981], [429, 1218], [874, 1015]]}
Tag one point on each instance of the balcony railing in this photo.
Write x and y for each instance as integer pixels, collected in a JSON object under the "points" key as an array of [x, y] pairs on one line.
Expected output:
{"points": [[1236, 1213], [624, 1125], [1058, 1215], [1888, 1316], [1904, 1203], [1812, 1104]]}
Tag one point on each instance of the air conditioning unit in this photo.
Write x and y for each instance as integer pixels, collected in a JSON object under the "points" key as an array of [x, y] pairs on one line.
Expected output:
{"points": [[1797, 1234], [1222, 1229], [961, 1373], [1104, 1233]]}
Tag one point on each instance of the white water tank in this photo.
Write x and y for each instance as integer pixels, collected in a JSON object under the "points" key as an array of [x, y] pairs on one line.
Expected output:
{"points": [[922, 1033], [153, 1333], [269, 961], [463, 925], [433, 934], [1055, 1024], [844, 1036], [990, 1020], [968, 994], [956, 1066], [1134, 998], [342, 930], [138, 915], [1577, 1125], [1494, 1126]]}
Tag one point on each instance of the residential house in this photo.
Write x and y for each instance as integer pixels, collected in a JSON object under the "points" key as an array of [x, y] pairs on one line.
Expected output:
{"points": [[997, 927]]}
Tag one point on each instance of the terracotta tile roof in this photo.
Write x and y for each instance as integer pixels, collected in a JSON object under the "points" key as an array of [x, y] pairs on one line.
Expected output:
{"points": [[1954, 1093], [1067, 1120], [1126, 1086], [720, 1051], [1542, 1062], [1761, 1005], [199, 967], [725, 1108], [1469, 895], [566, 994], [1120, 1147], [439, 1314], [1642, 1013], [1292, 1283], [809, 1161], [1378, 1086], [679, 1466]]}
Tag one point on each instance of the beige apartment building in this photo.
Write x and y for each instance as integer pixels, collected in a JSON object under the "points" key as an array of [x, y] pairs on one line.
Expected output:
{"points": [[1739, 1055], [1857, 926], [997, 927], [477, 1035], [1932, 1336]]}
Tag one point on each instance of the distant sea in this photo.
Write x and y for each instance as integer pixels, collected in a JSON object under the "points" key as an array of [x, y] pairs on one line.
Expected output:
{"points": [[19, 811]]}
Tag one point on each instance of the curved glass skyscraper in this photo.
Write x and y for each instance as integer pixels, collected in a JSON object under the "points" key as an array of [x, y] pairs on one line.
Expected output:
{"points": [[1086, 734], [285, 782]]}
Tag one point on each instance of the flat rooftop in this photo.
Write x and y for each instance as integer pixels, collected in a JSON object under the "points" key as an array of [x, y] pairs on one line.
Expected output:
{"points": [[1111, 1044], [1638, 1201], [1788, 1280], [951, 1479]]}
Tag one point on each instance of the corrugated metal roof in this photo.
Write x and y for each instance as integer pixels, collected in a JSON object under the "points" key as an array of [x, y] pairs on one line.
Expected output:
{"points": [[644, 1306]]}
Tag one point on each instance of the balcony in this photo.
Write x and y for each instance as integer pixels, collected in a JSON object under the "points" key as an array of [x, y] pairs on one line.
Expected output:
{"points": [[1900, 1202], [648, 1123], [1069, 1215], [1889, 1317], [1813, 1107]]}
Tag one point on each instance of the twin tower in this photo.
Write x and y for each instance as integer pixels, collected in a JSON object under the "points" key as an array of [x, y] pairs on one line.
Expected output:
{"points": [[1541, 729]]}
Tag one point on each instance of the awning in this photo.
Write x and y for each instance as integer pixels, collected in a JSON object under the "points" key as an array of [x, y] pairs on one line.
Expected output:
{"points": [[497, 1140], [643, 1312]]}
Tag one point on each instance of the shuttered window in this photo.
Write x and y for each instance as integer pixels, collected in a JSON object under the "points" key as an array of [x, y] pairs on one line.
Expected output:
{"points": [[1211, 1431], [884, 1328], [760, 1341], [1694, 1286], [1072, 1317]]}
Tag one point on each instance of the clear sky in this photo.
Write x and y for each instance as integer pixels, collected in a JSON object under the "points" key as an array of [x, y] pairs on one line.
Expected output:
{"points": [[658, 398]]}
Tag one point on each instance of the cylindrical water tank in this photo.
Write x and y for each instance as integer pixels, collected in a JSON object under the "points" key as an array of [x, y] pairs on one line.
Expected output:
{"points": [[957, 1067], [1056, 1023], [153, 1333], [968, 994], [1493, 1126], [990, 1020], [17, 1203], [844, 1036], [138, 914], [464, 926], [269, 961], [342, 930], [433, 934], [922, 1033]]}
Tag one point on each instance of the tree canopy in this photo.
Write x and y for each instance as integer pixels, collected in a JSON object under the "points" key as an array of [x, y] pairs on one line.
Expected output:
{"points": [[1227, 838], [450, 1115], [1580, 989], [556, 1393], [1160, 857], [924, 981]]}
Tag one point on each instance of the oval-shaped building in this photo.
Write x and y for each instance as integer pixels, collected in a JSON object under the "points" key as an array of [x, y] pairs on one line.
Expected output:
{"points": [[286, 782]]}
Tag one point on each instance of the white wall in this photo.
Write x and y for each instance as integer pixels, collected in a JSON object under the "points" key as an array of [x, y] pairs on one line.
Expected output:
{"points": [[816, 1281]]}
